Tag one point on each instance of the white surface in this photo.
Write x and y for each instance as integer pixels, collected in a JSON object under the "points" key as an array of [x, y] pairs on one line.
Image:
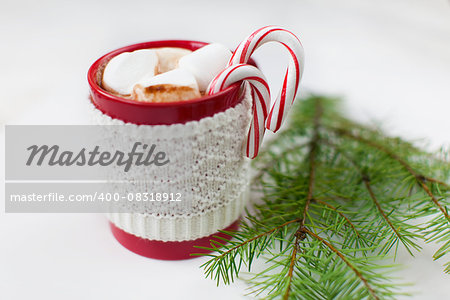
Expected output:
{"points": [[389, 58]]}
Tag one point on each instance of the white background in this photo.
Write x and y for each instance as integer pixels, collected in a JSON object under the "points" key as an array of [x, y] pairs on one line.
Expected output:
{"points": [[389, 59]]}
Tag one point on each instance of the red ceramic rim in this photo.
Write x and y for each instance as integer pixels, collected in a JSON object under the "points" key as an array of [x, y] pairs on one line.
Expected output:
{"points": [[158, 113], [168, 250]]}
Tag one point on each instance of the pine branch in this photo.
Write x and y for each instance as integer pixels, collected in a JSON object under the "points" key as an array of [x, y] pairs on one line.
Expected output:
{"points": [[314, 144], [291, 266], [347, 262], [396, 236], [335, 197], [211, 265], [419, 177], [258, 237], [341, 214]]}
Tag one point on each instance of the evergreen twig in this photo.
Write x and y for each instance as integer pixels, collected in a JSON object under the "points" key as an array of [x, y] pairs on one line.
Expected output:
{"points": [[335, 197], [341, 256], [421, 179]]}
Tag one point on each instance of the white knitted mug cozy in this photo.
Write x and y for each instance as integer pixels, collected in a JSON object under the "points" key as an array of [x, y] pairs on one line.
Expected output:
{"points": [[206, 166]]}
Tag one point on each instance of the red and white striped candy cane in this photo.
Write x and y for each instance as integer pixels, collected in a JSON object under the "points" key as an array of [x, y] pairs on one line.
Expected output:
{"points": [[293, 74], [260, 93]]}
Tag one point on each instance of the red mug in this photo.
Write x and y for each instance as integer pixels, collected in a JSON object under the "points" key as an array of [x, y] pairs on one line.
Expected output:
{"points": [[145, 113]]}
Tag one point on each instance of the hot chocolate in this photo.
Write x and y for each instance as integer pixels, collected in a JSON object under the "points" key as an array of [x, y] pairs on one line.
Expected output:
{"points": [[164, 74]]}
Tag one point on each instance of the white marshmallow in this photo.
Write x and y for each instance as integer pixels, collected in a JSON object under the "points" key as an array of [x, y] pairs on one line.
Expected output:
{"points": [[126, 69], [179, 77], [169, 56], [175, 85], [205, 63]]}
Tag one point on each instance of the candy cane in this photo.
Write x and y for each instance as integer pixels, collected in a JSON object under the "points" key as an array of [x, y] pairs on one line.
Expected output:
{"points": [[260, 92], [293, 74]]}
